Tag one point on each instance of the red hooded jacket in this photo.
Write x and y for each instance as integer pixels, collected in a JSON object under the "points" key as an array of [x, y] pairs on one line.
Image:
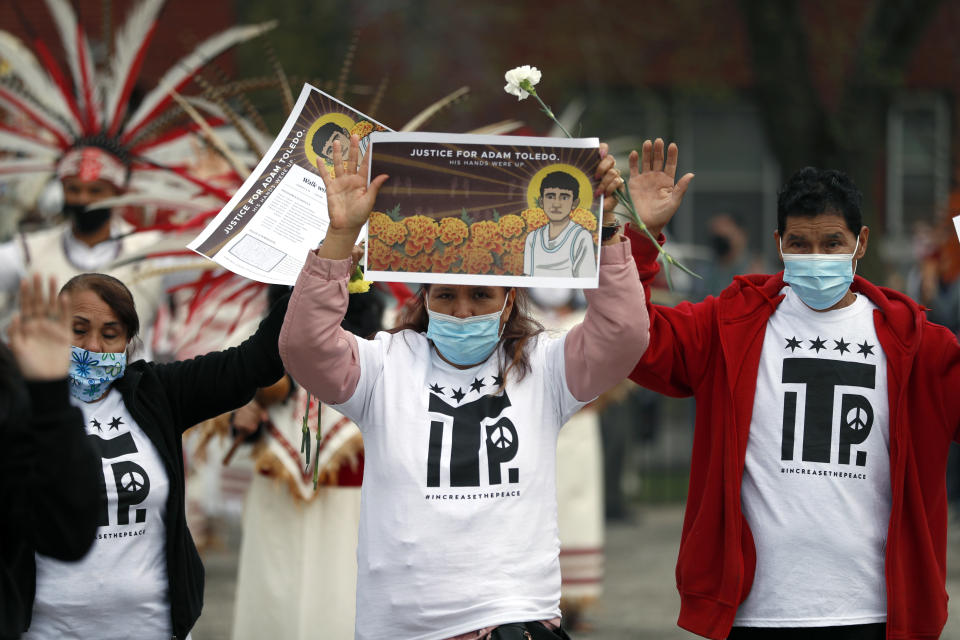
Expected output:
{"points": [[711, 350]]}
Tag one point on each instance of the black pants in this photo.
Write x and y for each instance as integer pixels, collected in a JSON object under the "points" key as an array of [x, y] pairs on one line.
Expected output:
{"points": [[527, 631], [876, 631]]}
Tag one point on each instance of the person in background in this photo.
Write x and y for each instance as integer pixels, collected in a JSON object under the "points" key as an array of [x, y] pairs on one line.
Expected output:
{"points": [[460, 408], [825, 407], [147, 573], [49, 488]]}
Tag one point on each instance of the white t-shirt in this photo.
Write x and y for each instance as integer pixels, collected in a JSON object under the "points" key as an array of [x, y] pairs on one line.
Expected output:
{"points": [[458, 525], [570, 254], [816, 485], [120, 588]]}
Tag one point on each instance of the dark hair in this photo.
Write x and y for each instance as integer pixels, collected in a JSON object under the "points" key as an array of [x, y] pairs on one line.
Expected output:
{"points": [[321, 135], [811, 192], [560, 180], [517, 331], [114, 293]]}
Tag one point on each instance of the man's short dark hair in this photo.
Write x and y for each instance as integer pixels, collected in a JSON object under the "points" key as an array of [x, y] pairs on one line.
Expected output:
{"points": [[560, 180], [812, 191], [321, 135]]}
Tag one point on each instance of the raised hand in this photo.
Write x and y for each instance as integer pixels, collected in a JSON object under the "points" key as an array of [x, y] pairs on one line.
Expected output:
{"points": [[652, 185], [349, 200], [40, 334]]}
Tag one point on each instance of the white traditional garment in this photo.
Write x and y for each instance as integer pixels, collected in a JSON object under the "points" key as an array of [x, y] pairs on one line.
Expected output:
{"points": [[579, 493], [298, 562]]}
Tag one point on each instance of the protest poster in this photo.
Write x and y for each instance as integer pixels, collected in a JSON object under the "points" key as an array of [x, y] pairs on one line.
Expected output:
{"points": [[280, 213], [479, 209]]}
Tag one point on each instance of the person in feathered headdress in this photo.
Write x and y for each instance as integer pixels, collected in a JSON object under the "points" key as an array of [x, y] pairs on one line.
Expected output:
{"points": [[105, 154]]}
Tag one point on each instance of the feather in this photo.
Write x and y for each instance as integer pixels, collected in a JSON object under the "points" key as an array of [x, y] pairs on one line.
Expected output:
{"points": [[10, 140], [129, 51], [36, 81], [79, 59], [12, 168], [210, 135], [347, 64], [378, 97], [498, 128], [285, 93], [26, 106], [254, 139], [421, 118], [76, 122], [183, 70], [179, 203]]}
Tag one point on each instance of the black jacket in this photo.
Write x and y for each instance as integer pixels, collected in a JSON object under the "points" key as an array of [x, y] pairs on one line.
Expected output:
{"points": [[49, 487], [167, 399]]}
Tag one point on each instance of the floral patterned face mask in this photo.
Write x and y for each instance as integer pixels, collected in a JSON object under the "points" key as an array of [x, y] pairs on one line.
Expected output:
{"points": [[92, 373]]}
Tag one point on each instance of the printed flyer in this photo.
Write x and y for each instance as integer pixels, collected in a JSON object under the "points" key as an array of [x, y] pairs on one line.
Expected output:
{"points": [[478, 209], [280, 213]]}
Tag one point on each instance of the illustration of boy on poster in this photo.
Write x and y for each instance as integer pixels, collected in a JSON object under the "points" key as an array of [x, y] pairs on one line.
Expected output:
{"points": [[561, 247]]}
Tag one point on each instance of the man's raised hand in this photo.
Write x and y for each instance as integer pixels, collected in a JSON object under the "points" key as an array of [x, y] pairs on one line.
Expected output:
{"points": [[655, 193]]}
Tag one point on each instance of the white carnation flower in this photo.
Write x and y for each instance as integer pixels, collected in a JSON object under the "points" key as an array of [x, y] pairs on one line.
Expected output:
{"points": [[517, 77]]}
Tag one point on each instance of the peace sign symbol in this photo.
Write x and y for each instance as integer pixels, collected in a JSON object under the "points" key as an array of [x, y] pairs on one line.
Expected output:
{"points": [[501, 437], [131, 481], [857, 418]]}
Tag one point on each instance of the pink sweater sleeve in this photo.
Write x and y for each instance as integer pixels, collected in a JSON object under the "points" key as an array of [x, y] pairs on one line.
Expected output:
{"points": [[603, 349], [316, 351]]}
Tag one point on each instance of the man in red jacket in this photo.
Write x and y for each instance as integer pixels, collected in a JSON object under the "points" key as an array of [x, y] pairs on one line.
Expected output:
{"points": [[825, 407]]}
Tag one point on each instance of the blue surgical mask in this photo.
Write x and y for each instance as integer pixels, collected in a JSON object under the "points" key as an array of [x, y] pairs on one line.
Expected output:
{"points": [[92, 373], [820, 279], [465, 341]]}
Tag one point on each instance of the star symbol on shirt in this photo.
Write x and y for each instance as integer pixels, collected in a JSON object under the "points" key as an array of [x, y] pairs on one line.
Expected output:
{"points": [[436, 388], [818, 344], [457, 394], [115, 424], [95, 425], [865, 349], [498, 380], [793, 344], [842, 346], [477, 384]]}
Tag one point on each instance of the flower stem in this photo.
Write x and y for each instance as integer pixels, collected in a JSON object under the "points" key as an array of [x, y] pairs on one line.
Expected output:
{"points": [[623, 197]]}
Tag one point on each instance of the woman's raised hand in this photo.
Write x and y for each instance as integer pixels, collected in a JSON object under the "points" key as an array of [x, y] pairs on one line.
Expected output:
{"points": [[40, 334], [349, 200]]}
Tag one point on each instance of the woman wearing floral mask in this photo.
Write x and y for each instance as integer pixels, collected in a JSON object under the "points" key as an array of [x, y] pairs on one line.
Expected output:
{"points": [[142, 578], [460, 410]]}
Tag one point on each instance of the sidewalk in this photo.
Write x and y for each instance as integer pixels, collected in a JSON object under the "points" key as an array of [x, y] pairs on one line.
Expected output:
{"points": [[640, 599]]}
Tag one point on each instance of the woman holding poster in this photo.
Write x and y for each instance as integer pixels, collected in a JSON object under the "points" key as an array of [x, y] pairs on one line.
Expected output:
{"points": [[460, 409]]}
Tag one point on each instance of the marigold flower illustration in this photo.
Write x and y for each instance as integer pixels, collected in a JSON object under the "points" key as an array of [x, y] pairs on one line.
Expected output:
{"points": [[512, 225], [486, 234], [422, 231], [421, 263], [535, 217], [380, 255], [444, 261], [453, 231], [477, 259], [378, 223], [393, 233], [521, 80], [362, 129], [513, 263], [584, 218], [516, 245]]}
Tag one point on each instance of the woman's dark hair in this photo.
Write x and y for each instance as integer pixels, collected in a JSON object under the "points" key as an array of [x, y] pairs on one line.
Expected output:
{"points": [[114, 293], [516, 332], [811, 191]]}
